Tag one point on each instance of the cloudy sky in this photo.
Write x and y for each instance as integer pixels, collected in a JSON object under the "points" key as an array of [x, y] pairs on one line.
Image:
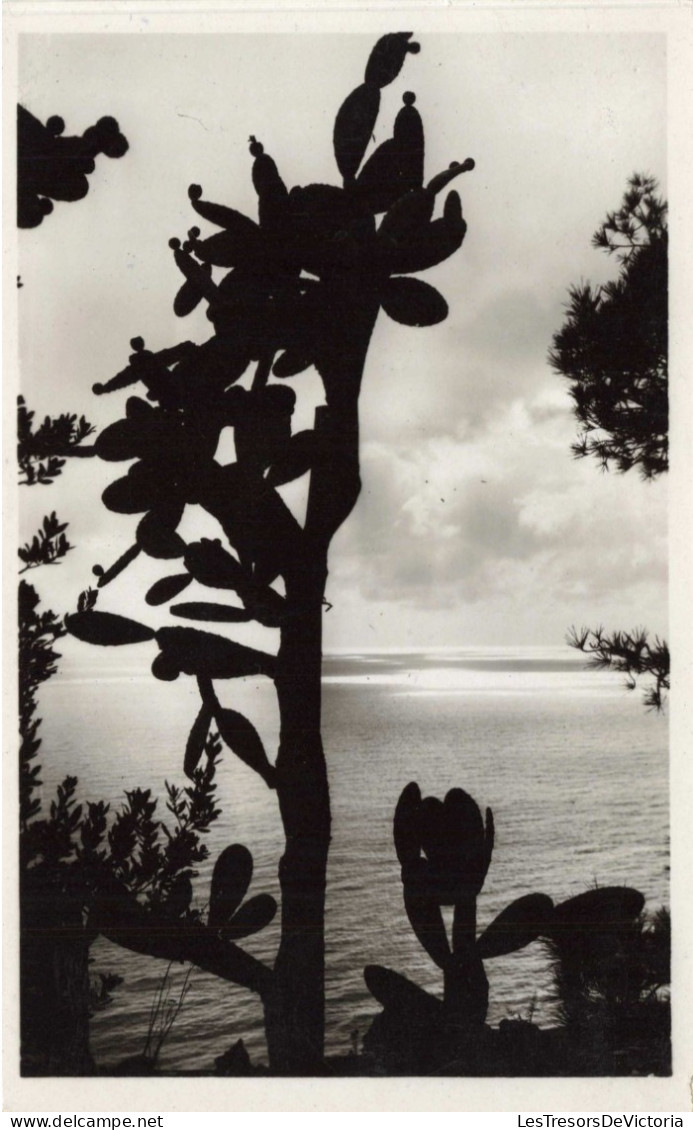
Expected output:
{"points": [[475, 526]]}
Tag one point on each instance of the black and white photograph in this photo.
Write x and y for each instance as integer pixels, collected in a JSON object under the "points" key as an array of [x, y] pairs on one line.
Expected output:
{"points": [[340, 371]]}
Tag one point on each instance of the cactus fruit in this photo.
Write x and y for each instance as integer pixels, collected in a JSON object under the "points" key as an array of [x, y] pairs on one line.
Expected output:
{"points": [[137, 369], [55, 125], [105, 137]]}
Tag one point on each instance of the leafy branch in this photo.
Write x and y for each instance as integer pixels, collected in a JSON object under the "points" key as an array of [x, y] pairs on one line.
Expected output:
{"points": [[156, 863], [47, 546], [42, 450]]}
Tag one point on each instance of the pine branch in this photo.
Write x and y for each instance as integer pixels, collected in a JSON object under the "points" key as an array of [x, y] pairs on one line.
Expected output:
{"points": [[613, 345], [631, 654]]}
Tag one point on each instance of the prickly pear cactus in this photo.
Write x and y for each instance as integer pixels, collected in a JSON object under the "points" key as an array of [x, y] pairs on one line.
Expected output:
{"points": [[445, 849]]}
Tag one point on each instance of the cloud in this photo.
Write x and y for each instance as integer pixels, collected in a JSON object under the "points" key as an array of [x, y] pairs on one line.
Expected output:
{"points": [[511, 327], [456, 521]]}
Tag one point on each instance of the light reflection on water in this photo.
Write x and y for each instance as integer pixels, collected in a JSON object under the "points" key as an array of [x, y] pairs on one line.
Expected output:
{"points": [[574, 769]]}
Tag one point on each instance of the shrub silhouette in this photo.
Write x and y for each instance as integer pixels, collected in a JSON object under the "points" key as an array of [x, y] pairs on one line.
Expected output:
{"points": [[610, 970], [85, 871]]}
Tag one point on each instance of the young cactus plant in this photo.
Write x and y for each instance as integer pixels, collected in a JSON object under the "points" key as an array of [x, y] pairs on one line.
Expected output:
{"points": [[445, 849]]}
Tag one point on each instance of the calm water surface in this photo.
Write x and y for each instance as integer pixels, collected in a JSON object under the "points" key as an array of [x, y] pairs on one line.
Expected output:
{"points": [[574, 769]]}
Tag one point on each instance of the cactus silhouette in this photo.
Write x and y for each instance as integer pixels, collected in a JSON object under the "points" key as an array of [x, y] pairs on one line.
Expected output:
{"points": [[299, 286], [445, 849], [53, 167]]}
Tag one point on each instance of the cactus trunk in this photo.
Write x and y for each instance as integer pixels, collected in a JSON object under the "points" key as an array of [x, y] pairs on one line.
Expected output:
{"points": [[295, 1007]]}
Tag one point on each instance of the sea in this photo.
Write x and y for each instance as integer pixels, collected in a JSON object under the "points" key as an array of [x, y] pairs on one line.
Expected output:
{"points": [[573, 766]]}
